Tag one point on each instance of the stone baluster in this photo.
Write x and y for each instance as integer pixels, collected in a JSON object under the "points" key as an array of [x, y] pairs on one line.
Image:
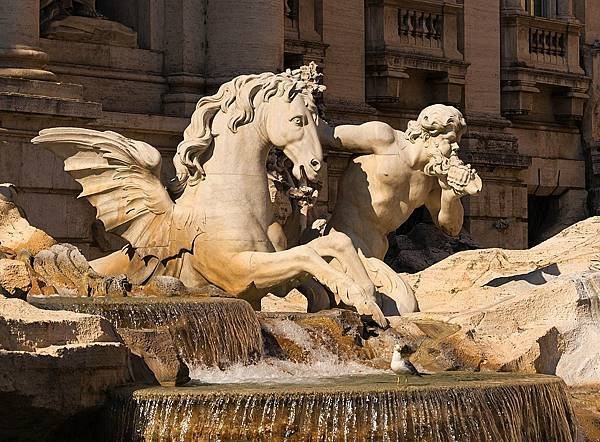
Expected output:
{"points": [[20, 55]]}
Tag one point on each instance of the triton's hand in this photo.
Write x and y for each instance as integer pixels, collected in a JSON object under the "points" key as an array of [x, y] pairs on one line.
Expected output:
{"points": [[462, 178]]}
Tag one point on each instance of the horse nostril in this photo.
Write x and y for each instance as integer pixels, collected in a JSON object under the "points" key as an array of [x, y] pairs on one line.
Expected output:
{"points": [[315, 164]]}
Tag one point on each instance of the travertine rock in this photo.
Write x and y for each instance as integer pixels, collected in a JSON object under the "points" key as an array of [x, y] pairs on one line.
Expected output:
{"points": [[168, 286], [63, 267], [423, 246], [528, 310], [158, 351], [294, 301], [24, 327], [15, 231], [54, 365], [15, 281], [41, 391]]}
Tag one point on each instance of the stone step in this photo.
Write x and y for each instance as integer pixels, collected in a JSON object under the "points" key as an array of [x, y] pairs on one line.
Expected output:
{"points": [[48, 89]]}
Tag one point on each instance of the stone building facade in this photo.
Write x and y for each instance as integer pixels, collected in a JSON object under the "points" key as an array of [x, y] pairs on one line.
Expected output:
{"points": [[526, 74]]}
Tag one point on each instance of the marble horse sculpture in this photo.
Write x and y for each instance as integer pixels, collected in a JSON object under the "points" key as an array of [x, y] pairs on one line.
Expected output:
{"points": [[211, 224]]}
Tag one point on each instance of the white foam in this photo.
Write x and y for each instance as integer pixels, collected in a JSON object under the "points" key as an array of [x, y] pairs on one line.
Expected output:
{"points": [[272, 370]]}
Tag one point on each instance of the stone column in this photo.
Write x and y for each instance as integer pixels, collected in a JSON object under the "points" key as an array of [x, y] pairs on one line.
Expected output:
{"points": [[185, 55], [20, 56], [564, 9], [244, 36]]}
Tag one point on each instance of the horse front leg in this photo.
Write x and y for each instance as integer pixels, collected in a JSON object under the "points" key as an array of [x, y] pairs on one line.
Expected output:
{"points": [[398, 296], [268, 269]]}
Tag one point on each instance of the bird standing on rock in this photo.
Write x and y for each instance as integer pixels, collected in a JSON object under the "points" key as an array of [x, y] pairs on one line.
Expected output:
{"points": [[400, 363]]}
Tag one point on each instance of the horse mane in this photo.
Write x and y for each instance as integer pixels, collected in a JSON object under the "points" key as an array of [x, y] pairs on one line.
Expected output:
{"points": [[239, 98]]}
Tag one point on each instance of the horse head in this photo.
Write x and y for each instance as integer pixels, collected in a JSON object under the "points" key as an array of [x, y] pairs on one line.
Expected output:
{"points": [[290, 126], [280, 107]]}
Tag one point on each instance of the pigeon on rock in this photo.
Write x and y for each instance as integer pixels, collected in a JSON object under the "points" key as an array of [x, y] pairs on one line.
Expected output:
{"points": [[400, 363]]}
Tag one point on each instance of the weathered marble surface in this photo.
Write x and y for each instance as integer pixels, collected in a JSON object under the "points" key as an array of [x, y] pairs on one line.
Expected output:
{"points": [[213, 223], [15, 231], [395, 173], [54, 365], [526, 310]]}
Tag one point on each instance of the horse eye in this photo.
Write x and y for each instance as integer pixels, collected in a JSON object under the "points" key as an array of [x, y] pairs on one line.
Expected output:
{"points": [[298, 121]]}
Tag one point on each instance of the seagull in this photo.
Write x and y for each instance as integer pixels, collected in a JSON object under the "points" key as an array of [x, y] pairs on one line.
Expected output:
{"points": [[400, 363]]}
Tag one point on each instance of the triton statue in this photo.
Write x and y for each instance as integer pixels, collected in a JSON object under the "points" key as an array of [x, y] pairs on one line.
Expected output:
{"points": [[396, 173]]}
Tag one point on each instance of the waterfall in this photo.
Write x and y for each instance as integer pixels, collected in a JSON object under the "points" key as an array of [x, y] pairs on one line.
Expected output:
{"points": [[212, 332], [474, 407]]}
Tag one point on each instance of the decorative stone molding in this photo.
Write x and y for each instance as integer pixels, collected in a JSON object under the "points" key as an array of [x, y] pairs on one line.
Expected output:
{"points": [[303, 34], [413, 38], [542, 51]]}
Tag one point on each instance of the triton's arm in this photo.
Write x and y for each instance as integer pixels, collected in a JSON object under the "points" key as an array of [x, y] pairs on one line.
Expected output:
{"points": [[446, 210], [372, 137]]}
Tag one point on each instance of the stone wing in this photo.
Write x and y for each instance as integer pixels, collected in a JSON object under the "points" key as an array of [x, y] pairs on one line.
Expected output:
{"points": [[121, 179]]}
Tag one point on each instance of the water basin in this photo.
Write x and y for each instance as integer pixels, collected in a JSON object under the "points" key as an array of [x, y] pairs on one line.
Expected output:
{"points": [[442, 407]]}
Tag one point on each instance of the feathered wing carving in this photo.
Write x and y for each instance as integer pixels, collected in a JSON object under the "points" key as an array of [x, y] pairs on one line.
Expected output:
{"points": [[121, 179]]}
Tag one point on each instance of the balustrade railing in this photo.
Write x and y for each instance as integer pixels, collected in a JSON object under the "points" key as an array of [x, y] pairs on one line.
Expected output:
{"points": [[420, 28], [547, 46]]}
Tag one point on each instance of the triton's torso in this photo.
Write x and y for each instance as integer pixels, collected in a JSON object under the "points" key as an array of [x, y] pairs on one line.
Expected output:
{"points": [[378, 193]]}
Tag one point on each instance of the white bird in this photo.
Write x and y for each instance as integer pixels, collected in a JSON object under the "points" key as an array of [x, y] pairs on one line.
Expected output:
{"points": [[400, 363]]}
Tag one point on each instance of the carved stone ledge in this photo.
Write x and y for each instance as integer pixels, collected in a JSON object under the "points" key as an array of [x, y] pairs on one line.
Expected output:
{"points": [[91, 30], [521, 84], [506, 160], [386, 69], [46, 98], [306, 51]]}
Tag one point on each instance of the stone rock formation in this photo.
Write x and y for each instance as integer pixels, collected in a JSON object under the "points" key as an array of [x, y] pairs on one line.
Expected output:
{"points": [[15, 281], [16, 233], [172, 335], [53, 366], [66, 270], [530, 310], [424, 245]]}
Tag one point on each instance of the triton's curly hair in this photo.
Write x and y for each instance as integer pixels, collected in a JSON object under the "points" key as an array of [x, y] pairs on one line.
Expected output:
{"points": [[435, 120]]}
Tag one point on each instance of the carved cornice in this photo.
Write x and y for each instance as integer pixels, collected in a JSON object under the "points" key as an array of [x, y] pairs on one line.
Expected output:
{"points": [[392, 58], [505, 160], [545, 76]]}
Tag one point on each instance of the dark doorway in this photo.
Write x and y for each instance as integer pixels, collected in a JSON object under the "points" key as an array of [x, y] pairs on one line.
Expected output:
{"points": [[541, 213]]}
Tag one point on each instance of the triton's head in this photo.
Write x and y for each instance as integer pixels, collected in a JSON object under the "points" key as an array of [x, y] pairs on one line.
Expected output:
{"points": [[438, 126]]}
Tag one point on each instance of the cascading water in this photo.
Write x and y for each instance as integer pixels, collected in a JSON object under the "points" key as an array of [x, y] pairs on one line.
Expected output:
{"points": [[205, 331], [439, 408], [312, 359], [296, 398]]}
